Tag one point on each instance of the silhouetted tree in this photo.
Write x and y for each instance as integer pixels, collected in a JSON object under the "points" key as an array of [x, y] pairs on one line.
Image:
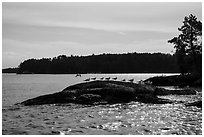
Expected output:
{"points": [[188, 45], [180, 54]]}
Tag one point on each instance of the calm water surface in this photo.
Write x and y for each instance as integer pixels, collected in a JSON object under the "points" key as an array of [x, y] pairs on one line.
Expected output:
{"points": [[129, 118]]}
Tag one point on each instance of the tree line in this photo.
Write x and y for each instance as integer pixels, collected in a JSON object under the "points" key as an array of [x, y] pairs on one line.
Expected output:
{"points": [[10, 70], [103, 63]]}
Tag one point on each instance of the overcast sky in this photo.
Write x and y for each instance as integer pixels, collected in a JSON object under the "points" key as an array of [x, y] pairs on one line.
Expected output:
{"points": [[36, 30]]}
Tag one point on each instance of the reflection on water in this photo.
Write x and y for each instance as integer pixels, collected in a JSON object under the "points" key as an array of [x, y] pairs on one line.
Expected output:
{"points": [[131, 118]]}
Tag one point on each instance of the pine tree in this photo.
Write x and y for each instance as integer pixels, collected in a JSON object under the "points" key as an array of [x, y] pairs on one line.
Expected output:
{"points": [[188, 45]]}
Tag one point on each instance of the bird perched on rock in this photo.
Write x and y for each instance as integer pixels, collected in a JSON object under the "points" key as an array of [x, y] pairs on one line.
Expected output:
{"points": [[114, 78], [94, 78], [131, 80], [108, 78], [88, 79], [78, 75]]}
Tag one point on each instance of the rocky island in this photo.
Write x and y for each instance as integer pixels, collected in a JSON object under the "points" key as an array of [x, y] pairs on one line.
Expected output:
{"points": [[108, 92], [176, 80]]}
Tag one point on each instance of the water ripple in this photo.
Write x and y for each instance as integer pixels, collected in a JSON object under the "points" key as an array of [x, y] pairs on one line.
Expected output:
{"points": [[130, 118]]}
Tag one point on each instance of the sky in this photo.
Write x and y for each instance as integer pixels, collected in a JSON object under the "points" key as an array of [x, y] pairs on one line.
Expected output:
{"points": [[37, 30]]}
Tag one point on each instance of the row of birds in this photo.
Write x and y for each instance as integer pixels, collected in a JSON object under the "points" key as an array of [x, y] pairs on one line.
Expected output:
{"points": [[108, 78]]}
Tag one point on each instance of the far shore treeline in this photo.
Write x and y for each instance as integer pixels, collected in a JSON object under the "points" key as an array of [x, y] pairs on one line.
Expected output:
{"points": [[103, 63], [186, 60]]}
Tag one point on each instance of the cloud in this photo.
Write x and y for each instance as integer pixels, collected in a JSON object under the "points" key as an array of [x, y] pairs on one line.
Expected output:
{"points": [[105, 16], [122, 33], [34, 34], [49, 29]]}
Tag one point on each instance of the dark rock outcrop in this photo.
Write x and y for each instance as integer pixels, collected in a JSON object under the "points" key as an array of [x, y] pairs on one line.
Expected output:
{"points": [[196, 103], [88, 99], [148, 98], [162, 91], [102, 92], [176, 80]]}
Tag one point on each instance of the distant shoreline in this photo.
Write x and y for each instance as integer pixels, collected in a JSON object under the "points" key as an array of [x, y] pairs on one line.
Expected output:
{"points": [[103, 63], [176, 73]]}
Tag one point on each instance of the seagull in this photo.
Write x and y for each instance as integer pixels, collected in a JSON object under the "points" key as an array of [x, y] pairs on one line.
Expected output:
{"points": [[131, 80], [123, 80], [78, 75], [114, 78], [88, 79], [94, 78], [108, 78]]}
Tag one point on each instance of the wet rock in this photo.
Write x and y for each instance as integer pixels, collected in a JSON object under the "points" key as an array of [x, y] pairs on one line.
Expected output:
{"points": [[88, 99], [55, 132], [196, 103], [49, 99], [148, 98], [162, 91]]}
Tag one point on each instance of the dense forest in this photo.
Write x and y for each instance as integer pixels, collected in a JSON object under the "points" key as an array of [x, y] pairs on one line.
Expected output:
{"points": [[10, 70], [103, 63]]}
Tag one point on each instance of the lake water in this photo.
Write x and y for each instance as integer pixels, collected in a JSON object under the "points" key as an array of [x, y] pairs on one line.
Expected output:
{"points": [[129, 118]]}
